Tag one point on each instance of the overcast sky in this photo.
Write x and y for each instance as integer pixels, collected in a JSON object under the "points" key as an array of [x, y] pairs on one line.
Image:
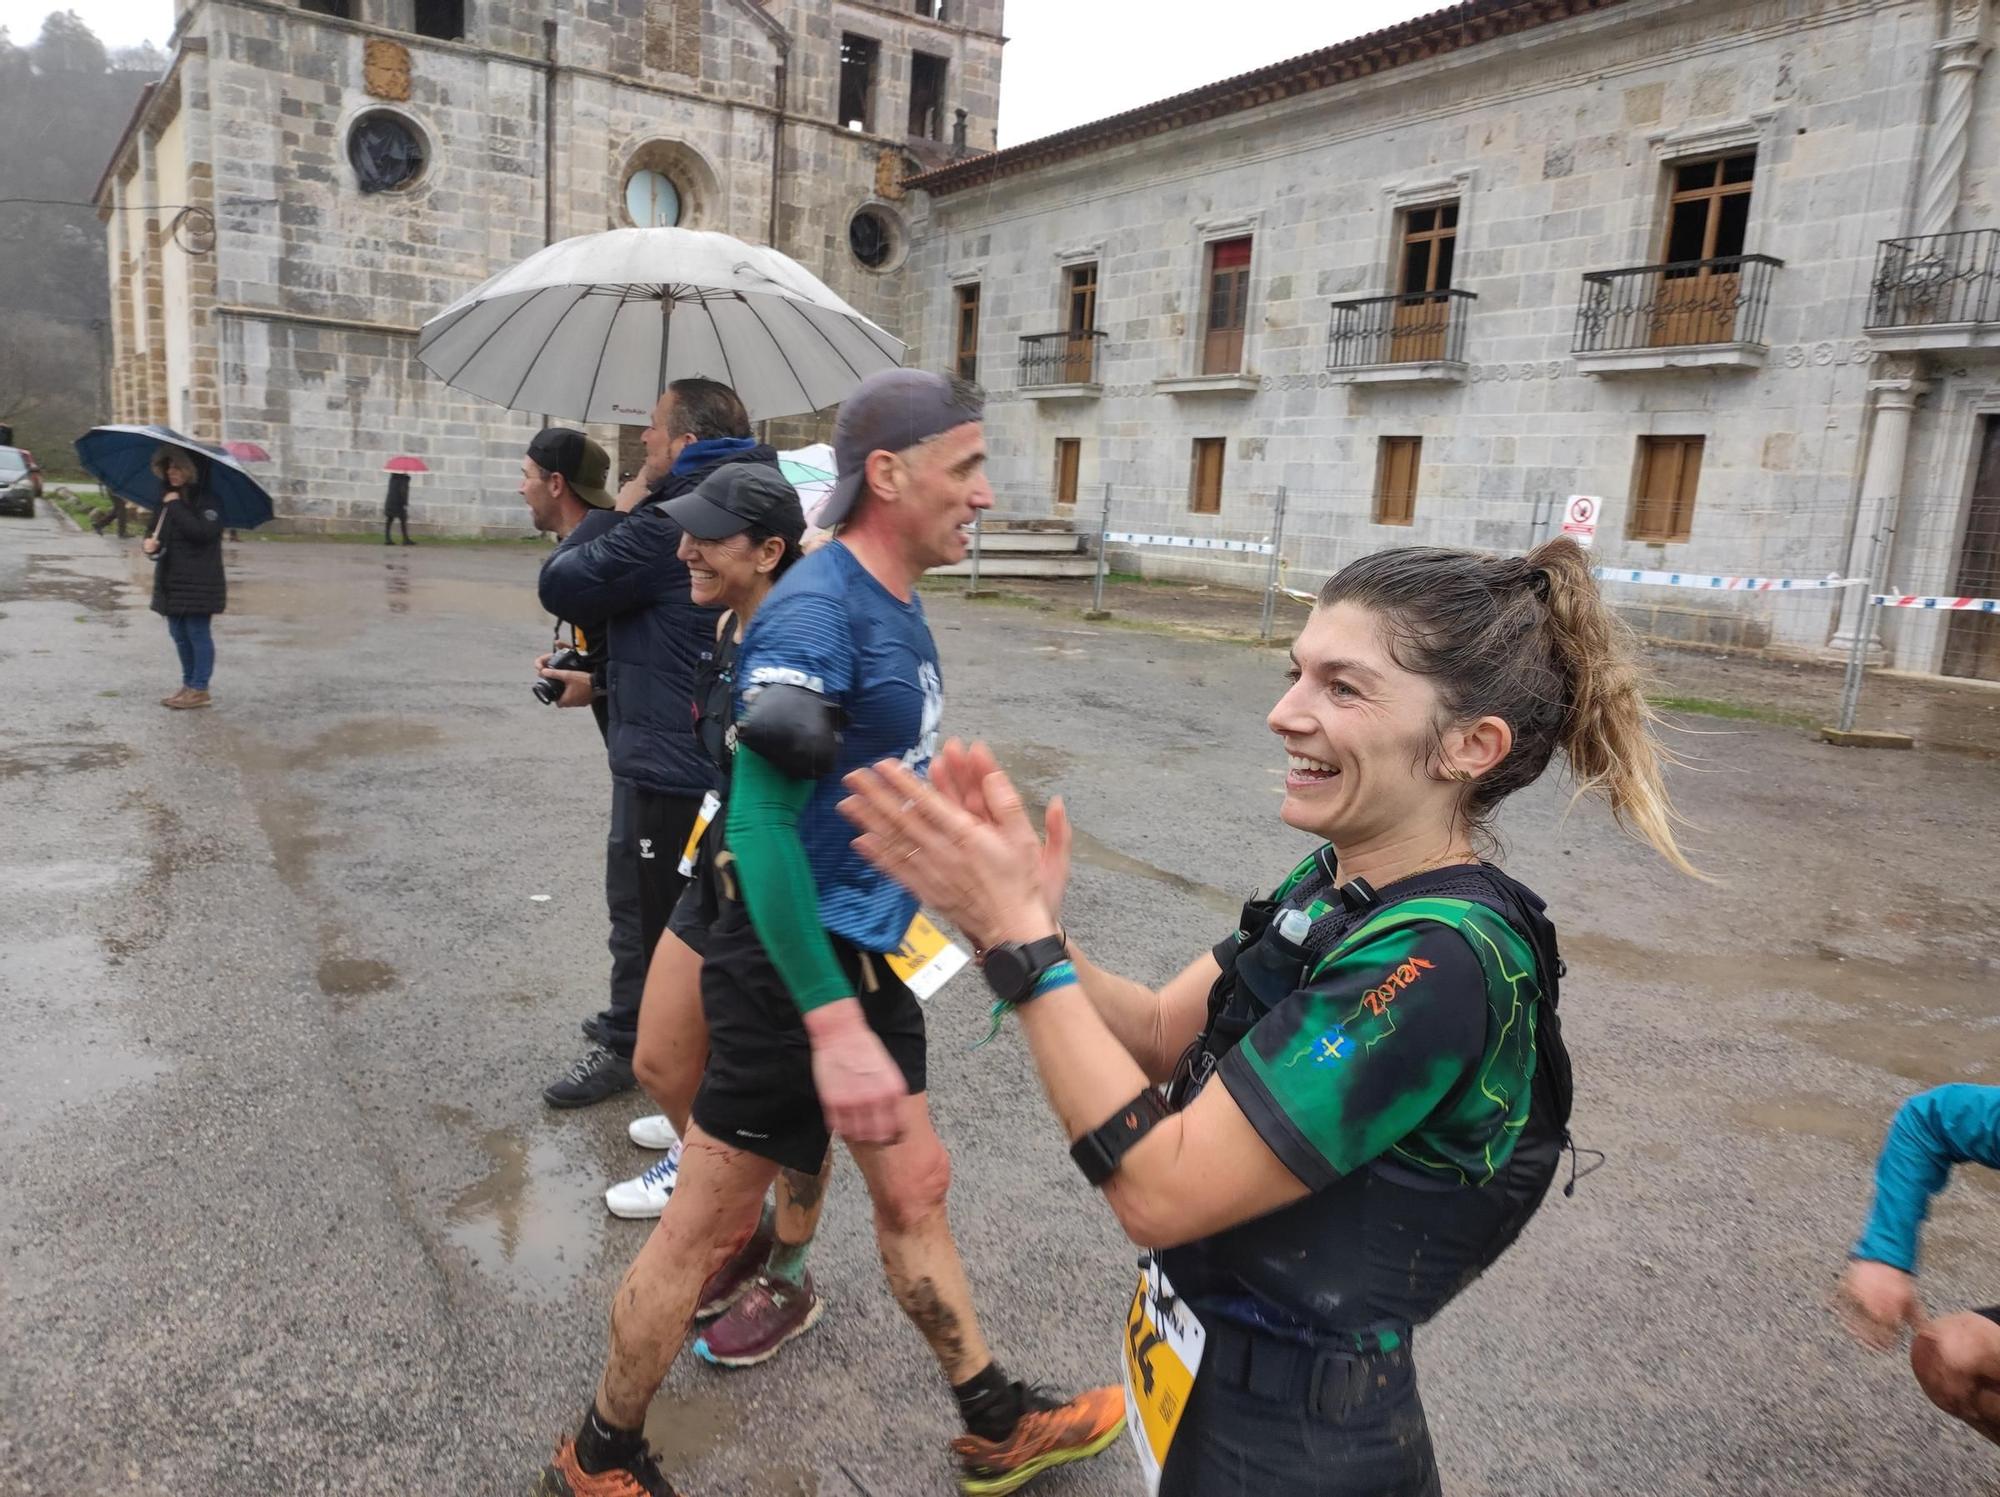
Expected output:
{"points": [[1068, 61]]}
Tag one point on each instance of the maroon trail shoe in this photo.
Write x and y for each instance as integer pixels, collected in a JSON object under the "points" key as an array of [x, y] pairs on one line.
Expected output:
{"points": [[770, 1313], [727, 1284]]}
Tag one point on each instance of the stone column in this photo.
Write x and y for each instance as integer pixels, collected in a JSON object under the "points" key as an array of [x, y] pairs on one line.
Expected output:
{"points": [[1960, 61], [204, 412], [154, 404], [1895, 394]]}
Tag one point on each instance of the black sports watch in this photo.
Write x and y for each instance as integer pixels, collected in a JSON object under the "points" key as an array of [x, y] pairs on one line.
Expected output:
{"points": [[1013, 969]]}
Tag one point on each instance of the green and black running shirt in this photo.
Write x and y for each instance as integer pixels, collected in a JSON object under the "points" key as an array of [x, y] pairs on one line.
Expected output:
{"points": [[1395, 1080]]}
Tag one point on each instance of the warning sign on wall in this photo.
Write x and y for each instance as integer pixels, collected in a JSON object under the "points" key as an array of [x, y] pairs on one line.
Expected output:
{"points": [[1580, 518]]}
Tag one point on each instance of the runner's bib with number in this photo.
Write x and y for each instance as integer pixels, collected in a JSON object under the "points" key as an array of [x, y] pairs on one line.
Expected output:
{"points": [[710, 804], [1163, 1346], [927, 959]]}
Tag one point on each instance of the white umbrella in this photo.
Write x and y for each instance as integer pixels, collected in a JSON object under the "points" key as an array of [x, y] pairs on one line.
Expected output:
{"points": [[810, 470], [594, 328]]}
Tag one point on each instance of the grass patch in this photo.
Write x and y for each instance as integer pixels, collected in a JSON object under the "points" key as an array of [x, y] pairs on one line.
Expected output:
{"points": [[81, 508], [1733, 711]]}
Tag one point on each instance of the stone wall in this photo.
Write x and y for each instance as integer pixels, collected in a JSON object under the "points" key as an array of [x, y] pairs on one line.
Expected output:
{"points": [[1556, 143], [299, 333]]}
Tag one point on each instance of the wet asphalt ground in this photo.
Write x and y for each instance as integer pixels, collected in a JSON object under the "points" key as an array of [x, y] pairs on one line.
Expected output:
{"points": [[282, 1211]]}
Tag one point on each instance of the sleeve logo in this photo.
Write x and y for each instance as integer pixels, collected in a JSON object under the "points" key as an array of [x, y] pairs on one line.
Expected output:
{"points": [[1330, 1047], [1377, 999], [780, 675]]}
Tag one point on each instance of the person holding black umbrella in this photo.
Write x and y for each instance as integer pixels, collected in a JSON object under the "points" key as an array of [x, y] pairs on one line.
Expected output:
{"points": [[185, 541]]}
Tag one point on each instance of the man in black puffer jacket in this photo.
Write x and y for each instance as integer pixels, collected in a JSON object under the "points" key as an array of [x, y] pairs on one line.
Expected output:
{"points": [[633, 577]]}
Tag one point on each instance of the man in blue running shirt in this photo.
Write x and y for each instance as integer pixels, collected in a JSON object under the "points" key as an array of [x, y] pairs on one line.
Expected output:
{"points": [[811, 1033], [1956, 1358]]}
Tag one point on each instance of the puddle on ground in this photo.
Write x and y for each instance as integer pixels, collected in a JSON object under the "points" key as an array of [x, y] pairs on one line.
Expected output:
{"points": [[783, 1481], [533, 1222], [397, 582], [60, 758], [26, 880], [1033, 764], [43, 583], [85, 1053], [137, 922], [1929, 1023], [1087, 850], [1035, 769], [356, 738], [685, 1427], [1816, 1115], [1821, 970], [353, 976], [302, 599], [289, 818]]}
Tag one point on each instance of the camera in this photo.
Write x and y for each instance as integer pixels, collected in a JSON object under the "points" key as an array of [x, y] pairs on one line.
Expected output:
{"points": [[548, 692]]}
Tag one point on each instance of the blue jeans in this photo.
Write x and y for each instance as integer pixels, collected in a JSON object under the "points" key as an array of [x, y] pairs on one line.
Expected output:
{"points": [[194, 639]]}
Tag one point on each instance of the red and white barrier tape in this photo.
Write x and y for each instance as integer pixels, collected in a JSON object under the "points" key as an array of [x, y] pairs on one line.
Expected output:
{"points": [[1914, 600]]}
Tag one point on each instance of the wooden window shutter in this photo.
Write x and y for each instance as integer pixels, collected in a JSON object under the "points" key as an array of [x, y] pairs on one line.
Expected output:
{"points": [[1396, 463]]}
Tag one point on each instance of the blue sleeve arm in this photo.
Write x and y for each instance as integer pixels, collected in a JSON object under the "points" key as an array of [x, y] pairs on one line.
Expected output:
{"points": [[1932, 1131], [625, 568]]}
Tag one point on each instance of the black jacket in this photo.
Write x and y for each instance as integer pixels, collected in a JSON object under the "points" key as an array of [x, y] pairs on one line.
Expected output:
{"points": [[632, 576], [590, 632], [187, 576]]}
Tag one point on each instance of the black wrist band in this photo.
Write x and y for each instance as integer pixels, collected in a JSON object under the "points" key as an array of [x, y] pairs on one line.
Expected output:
{"points": [[1099, 1151]]}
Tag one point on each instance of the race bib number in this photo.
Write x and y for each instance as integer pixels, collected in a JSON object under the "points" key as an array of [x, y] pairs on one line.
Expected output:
{"points": [[710, 804], [1163, 1346], [927, 959]]}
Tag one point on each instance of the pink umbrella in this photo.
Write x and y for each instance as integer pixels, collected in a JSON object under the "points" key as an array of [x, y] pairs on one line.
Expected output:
{"points": [[246, 452], [405, 465]]}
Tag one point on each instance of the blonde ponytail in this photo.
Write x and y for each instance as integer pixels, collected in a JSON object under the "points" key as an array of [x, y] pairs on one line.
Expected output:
{"points": [[1610, 737]]}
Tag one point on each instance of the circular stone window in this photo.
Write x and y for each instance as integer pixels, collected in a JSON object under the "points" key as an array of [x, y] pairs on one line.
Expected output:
{"points": [[652, 200], [385, 151], [872, 237]]}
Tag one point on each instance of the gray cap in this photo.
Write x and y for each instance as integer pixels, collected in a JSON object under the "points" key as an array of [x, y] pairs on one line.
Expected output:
{"points": [[736, 496], [891, 411]]}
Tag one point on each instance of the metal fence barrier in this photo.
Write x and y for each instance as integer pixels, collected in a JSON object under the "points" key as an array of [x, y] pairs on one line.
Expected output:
{"points": [[1271, 546]]}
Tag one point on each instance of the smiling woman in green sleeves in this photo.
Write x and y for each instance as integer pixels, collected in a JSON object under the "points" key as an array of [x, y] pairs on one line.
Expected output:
{"points": [[1337, 1118]]}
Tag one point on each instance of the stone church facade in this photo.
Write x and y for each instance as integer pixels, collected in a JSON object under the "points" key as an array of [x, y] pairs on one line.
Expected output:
{"points": [[1732, 266], [309, 182]]}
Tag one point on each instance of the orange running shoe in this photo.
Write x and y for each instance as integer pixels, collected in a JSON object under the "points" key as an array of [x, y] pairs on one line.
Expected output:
{"points": [[1049, 1434], [638, 1477]]}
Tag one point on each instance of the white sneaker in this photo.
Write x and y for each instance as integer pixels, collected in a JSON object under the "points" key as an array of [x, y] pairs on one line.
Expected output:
{"points": [[646, 1195], [653, 1132]]}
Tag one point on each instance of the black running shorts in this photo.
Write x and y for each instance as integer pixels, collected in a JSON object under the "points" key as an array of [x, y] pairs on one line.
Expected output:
{"points": [[757, 1093], [1991, 1312], [698, 908]]}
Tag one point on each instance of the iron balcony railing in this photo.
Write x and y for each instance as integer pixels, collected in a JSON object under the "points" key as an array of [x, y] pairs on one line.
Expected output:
{"points": [[1674, 306], [1936, 279], [1061, 359], [1417, 327]]}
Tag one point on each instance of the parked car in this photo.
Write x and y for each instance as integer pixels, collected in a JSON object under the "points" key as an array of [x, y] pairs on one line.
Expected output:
{"points": [[17, 483]]}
